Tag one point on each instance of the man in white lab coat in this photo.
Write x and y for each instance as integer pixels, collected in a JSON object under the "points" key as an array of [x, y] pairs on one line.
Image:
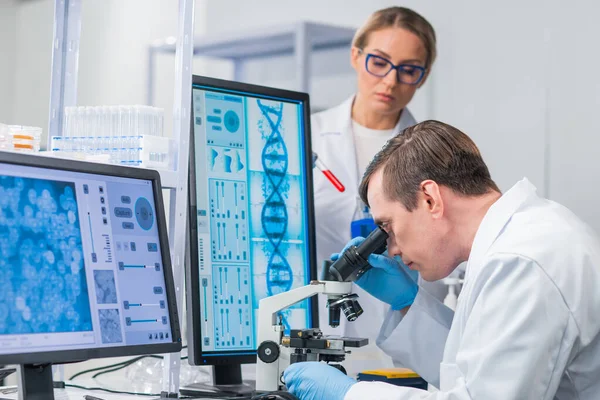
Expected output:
{"points": [[527, 323]]}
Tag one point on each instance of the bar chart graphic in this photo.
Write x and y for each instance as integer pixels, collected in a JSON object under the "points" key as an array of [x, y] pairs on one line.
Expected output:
{"points": [[232, 306], [229, 220]]}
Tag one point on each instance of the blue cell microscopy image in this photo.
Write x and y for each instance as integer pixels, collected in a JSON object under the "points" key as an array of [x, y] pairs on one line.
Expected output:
{"points": [[43, 287], [110, 326], [106, 290]]}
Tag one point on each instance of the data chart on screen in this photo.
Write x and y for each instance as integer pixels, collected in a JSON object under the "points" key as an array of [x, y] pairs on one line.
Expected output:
{"points": [[251, 212]]}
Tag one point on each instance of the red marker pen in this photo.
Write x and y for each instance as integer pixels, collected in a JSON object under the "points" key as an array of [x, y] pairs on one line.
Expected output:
{"points": [[328, 174]]}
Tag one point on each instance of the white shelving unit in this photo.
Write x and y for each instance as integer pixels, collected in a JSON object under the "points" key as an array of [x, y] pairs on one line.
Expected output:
{"points": [[299, 39], [63, 93]]}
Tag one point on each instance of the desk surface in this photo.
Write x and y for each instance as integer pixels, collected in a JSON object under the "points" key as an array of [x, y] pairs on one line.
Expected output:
{"points": [[72, 394], [10, 393]]}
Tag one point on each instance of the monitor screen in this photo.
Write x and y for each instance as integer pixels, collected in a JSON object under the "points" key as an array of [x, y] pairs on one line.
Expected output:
{"points": [[85, 269], [251, 214]]}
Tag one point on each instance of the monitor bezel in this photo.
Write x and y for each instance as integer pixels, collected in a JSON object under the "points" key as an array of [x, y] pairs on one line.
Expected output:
{"points": [[64, 356], [195, 353]]}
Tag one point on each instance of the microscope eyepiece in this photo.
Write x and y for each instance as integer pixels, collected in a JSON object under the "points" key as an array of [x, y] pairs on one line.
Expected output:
{"points": [[354, 261]]}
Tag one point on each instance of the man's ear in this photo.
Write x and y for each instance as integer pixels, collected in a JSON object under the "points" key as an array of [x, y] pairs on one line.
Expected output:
{"points": [[432, 198]]}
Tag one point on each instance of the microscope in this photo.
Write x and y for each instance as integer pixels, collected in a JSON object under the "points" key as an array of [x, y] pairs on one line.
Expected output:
{"points": [[310, 344]]}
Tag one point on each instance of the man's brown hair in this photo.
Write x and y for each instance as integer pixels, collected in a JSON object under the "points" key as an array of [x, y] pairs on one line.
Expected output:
{"points": [[429, 150]]}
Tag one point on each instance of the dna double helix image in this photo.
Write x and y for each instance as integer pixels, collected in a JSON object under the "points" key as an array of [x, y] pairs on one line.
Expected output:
{"points": [[274, 214]]}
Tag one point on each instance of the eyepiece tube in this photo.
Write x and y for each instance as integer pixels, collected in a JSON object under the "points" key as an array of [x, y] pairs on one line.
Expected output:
{"points": [[375, 243], [353, 262]]}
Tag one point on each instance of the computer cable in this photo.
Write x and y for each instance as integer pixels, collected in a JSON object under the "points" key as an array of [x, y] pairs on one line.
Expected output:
{"points": [[93, 388], [130, 362], [122, 363], [87, 371], [110, 390]]}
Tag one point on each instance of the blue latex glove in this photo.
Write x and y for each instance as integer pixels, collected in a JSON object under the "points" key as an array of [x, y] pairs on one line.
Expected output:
{"points": [[314, 380], [389, 280]]}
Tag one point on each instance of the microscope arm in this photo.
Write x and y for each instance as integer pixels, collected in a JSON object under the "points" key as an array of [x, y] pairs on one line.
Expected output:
{"points": [[269, 330]]}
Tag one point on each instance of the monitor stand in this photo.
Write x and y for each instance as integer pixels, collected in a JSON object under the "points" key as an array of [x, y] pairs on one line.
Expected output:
{"points": [[227, 380], [35, 382]]}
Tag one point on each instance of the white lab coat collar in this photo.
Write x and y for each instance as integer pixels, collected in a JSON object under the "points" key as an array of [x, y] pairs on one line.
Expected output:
{"points": [[345, 123], [494, 221]]}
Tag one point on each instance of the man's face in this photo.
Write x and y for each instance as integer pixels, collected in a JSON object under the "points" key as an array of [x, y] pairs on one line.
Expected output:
{"points": [[419, 236]]}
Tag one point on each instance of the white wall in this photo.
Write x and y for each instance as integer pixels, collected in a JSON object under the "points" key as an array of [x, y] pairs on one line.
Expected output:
{"points": [[519, 77], [573, 103], [33, 60], [8, 27]]}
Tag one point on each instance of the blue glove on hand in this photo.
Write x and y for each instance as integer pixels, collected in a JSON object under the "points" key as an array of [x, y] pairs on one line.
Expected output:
{"points": [[389, 280], [314, 380]]}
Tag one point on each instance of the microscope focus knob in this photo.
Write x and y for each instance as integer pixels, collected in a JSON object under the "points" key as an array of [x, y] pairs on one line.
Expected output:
{"points": [[268, 351]]}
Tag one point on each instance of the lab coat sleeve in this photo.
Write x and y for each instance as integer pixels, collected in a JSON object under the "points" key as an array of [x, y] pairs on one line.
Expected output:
{"points": [[417, 340], [516, 342]]}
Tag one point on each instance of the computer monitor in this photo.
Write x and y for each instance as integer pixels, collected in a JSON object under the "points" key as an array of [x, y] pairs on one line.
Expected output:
{"points": [[251, 218], [85, 270]]}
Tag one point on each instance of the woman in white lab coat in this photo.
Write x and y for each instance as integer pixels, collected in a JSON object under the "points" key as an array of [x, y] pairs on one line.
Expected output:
{"points": [[392, 55], [526, 325]]}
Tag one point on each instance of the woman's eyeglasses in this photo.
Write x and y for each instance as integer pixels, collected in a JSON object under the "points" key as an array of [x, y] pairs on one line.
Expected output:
{"points": [[405, 73]]}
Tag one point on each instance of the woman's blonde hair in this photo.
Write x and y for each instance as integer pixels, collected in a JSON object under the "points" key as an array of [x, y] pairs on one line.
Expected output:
{"points": [[399, 17]]}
